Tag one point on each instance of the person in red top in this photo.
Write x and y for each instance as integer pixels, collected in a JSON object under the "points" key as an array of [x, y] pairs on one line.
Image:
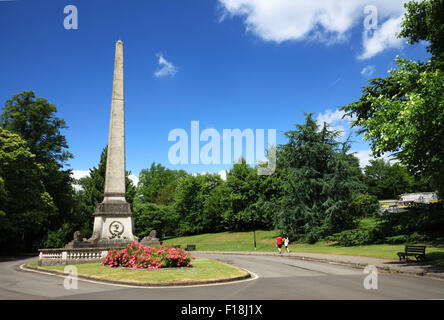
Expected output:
{"points": [[279, 243]]}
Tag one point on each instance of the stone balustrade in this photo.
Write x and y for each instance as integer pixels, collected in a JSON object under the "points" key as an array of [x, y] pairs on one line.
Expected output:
{"points": [[64, 256]]}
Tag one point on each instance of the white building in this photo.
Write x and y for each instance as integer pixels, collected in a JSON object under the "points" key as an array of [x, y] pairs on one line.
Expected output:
{"points": [[420, 197]]}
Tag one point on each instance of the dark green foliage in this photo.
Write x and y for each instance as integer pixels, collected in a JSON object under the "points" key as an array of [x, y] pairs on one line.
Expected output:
{"points": [[319, 181], [198, 202], [415, 225], [25, 206], [149, 216], [426, 220], [354, 237], [157, 184], [389, 181], [246, 194], [364, 205], [424, 20], [34, 120], [367, 231]]}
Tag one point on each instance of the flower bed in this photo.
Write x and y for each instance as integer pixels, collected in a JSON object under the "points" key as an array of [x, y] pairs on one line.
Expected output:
{"points": [[137, 256]]}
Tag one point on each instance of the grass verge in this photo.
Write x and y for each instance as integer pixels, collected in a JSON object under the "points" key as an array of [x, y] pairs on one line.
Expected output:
{"points": [[203, 270], [265, 241]]}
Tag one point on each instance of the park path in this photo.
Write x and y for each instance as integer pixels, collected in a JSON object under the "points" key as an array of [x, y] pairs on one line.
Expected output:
{"points": [[385, 265]]}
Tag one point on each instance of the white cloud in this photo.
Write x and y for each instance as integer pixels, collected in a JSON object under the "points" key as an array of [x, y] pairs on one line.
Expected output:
{"points": [[222, 174], [368, 71], [335, 120], [365, 156], [166, 68], [327, 21], [382, 38], [134, 179], [77, 174]]}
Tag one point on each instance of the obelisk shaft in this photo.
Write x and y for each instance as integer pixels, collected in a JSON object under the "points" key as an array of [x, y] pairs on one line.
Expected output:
{"points": [[115, 163]]}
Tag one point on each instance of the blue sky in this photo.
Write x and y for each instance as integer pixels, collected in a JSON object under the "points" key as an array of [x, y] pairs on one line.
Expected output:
{"points": [[225, 63]]}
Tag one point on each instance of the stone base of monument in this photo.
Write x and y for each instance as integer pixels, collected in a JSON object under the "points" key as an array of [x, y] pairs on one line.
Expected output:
{"points": [[89, 250], [151, 240]]}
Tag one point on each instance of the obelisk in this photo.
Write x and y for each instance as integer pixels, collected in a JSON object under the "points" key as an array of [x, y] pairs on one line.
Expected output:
{"points": [[113, 222]]}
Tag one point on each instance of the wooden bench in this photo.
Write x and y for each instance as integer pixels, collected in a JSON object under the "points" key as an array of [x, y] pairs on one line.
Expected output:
{"points": [[190, 247], [417, 251]]}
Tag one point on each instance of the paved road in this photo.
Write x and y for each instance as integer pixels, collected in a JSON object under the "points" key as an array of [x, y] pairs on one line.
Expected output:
{"points": [[278, 278]]}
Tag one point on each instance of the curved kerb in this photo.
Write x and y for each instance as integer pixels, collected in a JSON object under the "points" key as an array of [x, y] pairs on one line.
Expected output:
{"points": [[248, 277]]}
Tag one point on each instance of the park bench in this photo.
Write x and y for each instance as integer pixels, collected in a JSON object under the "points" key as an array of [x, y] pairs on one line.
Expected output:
{"points": [[190, 247], [417, 251]]}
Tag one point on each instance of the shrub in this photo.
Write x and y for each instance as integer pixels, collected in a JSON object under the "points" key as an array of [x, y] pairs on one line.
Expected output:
{"points": [[354, 237], [396, 239], [365, 205], [137, 256]]}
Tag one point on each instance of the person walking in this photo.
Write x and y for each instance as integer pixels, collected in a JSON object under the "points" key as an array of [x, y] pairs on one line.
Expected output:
{"points": [[286, 242], [279, 243]]}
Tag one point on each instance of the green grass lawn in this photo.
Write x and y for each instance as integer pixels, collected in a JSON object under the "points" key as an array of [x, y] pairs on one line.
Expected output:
{"points": [[265, 241], [202, 270]]}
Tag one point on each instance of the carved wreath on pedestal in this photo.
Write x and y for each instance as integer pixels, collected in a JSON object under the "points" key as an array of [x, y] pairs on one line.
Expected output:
{"points": [[116, 229]]}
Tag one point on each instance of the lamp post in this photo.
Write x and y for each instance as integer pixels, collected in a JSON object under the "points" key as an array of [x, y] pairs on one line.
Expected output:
{"points": [[254, 228]]}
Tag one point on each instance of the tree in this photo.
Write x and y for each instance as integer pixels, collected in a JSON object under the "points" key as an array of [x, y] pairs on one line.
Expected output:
{"points": [[319, 179], [404, 112], [424, 20], [198, 203], [241, 194], [25, 205], [35, 121], [386, 181], [157, 184], [149, 216]]}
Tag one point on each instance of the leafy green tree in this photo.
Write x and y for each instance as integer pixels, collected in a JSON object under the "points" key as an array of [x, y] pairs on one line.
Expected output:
{"points": [[424, 21], [404, 112], [157, 184], [386, 181], [25, 205], [198, 204], [365, 205], [149, 216], [319, 180], [241, 194], [35, 121]]}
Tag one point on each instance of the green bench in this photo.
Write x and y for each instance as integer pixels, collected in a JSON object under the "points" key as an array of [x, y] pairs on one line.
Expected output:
{"points": [[417, 251], [190, 247]]}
